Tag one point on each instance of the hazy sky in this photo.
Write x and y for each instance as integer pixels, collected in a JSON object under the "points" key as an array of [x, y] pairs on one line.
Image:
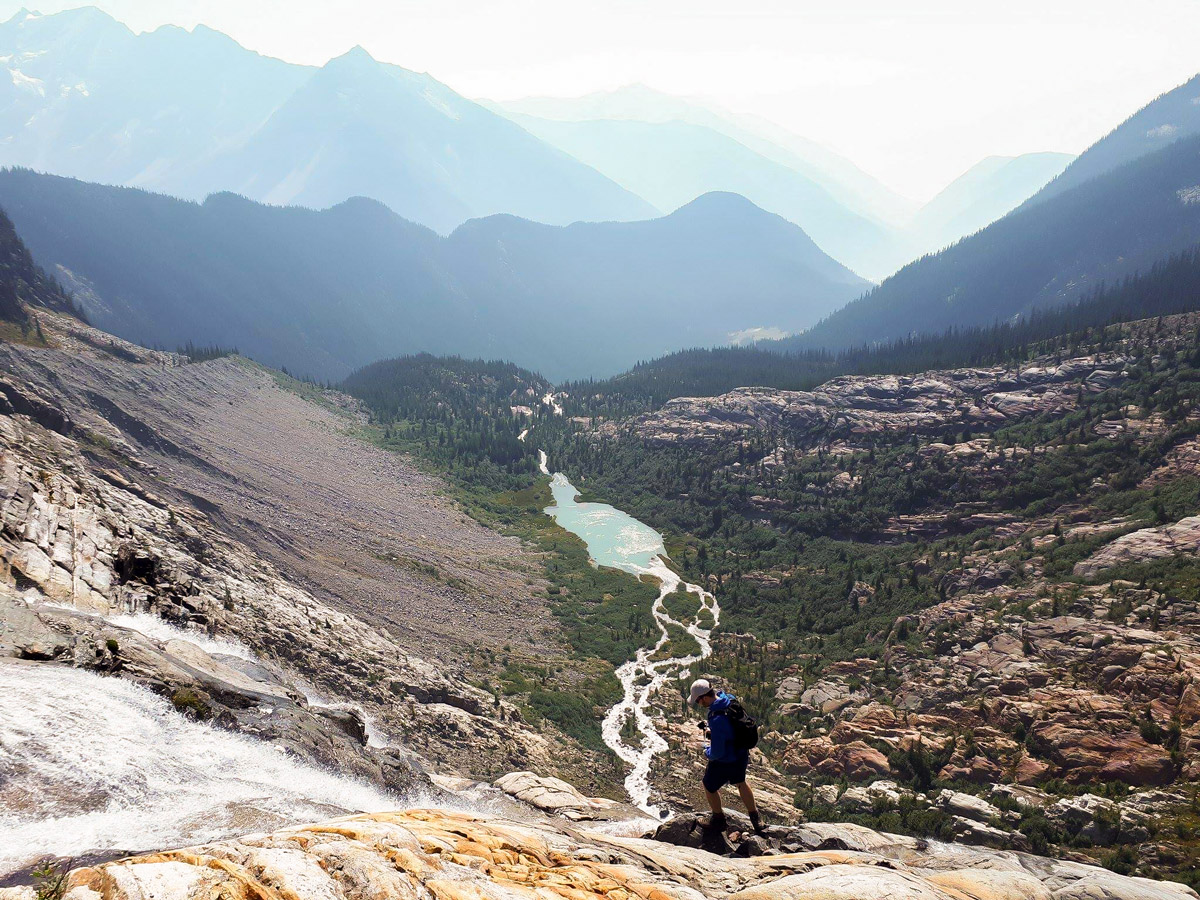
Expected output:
{"points": [[914, 91]]}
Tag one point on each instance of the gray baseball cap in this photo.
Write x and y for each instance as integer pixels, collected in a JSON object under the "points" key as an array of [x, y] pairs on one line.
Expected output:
{"points": [[700, 687]]}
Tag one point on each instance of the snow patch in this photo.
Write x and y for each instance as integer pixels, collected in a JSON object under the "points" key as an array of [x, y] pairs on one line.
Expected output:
{"points": [[753, 335], [1189, 195], [21, 80], [1163, 131]]}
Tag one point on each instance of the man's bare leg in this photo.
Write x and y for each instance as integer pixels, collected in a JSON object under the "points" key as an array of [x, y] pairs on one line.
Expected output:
{"points": [[714, 803], [747, 796]]}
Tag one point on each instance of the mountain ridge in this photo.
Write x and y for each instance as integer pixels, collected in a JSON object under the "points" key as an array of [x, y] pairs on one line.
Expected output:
{"points": [[324, 292], [194, 112], [1102, 230]]}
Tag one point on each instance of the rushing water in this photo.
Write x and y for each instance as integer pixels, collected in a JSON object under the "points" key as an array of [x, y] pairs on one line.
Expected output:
{"points": [[616, 539], [95, 763]]}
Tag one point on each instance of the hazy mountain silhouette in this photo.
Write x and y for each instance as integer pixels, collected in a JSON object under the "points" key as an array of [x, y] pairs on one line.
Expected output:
{"points": [[668, 149], [857, 191], [325, 292], [1040, 254], [981, 195], [670, 163], [191, 113], [86, 96], [1166, 119]]}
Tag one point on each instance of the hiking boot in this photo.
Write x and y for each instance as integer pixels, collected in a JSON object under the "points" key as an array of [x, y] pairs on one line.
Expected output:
{"points": [[715, 823], [756, 822]]}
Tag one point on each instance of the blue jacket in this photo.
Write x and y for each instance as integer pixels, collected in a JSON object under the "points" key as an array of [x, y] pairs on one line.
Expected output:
{"points": [[720, 732]]}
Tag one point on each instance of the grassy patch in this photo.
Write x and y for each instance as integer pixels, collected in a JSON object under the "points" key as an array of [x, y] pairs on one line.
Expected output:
{"points": [[27, 333]]}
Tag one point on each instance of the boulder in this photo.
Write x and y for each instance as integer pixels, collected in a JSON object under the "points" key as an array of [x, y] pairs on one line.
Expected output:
{"points": [[854, 760], [967, 805], [555, 796], [826, 794], [970, 831], [1095, 818]]}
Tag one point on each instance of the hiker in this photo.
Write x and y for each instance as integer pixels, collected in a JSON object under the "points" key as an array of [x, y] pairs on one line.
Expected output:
{"points": [[731, 734]]}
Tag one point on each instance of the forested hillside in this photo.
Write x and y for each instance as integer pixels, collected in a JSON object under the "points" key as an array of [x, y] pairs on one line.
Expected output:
{"points": [[467, 414], [1167, 287], [1039, 255], [23, 285], [1170, 117], [322, 293]]}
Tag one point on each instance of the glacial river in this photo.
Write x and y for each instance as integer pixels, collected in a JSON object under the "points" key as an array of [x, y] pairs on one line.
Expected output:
{"points": [[618, 540]]}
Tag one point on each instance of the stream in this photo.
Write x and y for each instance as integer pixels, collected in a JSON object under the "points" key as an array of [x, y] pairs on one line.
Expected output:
{"points": [[618, 540], [94, 763]]}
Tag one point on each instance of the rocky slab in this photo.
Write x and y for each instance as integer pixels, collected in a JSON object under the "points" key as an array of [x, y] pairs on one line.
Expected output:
{"points": [[443, 855]]}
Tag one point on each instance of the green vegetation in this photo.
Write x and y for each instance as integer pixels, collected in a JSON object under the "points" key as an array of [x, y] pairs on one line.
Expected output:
{"points": [[603, 613], [1166, 288], [906, 817], [191, 703], [197, 354], [50, 879], [575, 709], [815, 569], [456, 413]]}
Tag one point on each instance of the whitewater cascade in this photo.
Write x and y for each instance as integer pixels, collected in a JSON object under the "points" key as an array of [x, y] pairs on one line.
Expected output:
{"points": [[616, 539], [99, 763], [643, 675]]}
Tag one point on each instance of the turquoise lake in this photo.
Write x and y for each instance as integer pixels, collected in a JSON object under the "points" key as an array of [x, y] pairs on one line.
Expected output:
{"points": [[613, 538]]}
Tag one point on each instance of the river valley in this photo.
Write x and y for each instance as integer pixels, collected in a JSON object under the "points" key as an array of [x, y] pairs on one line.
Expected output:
{"points": [[618, 540]]}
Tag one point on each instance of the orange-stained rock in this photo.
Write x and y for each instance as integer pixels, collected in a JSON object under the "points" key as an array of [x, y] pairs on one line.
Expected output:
{"points": [[854, 760], [428, 854]]}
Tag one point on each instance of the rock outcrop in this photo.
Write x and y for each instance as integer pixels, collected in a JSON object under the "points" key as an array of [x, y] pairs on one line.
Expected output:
{"points": [[860, 405], [553, 795], [431, 853], [113, 558], [1180, 538]]}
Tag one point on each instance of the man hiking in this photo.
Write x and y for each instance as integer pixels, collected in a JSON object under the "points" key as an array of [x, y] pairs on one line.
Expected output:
{"points": [[731, 734]]}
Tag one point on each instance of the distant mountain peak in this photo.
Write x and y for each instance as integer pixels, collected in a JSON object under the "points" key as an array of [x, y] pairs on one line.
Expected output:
{"points": [[78, 14], [82, 19], [720, 201], [356, 54]]}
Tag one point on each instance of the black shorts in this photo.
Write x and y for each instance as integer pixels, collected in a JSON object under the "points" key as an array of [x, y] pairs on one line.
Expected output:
{"points": [[717, 774]]}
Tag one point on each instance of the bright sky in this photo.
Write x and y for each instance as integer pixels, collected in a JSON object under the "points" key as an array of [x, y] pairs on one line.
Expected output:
{"points": [[914, 91]]}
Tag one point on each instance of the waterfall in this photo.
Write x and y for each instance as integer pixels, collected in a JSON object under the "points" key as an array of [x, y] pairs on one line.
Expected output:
{"points": [[95, 763]]}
